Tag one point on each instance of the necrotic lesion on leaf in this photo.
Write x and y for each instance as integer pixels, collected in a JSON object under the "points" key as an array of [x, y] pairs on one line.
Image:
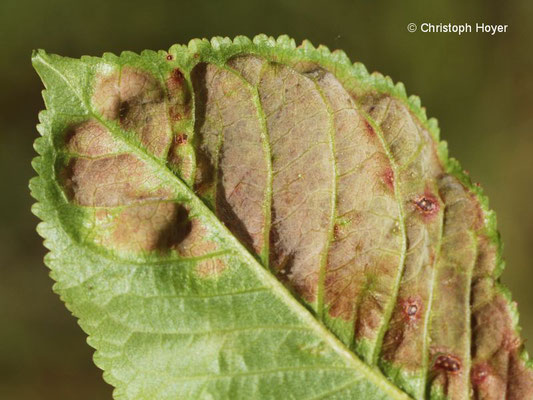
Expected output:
{"points": [[242, 204]]}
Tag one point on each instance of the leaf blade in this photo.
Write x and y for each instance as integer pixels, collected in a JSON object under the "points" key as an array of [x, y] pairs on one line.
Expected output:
{"points": [[433, 362], [106, 279]]}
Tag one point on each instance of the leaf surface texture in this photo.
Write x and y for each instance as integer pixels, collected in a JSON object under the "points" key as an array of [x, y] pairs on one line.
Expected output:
{"points": [[252, 219]]}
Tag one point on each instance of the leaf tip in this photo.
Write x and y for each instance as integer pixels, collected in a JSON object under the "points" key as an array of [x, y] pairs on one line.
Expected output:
{"points": [[36, 54]]}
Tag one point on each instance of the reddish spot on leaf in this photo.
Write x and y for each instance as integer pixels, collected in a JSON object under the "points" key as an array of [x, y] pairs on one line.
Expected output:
{"points": [[369, 129], [448, 363], [388, 178], [480, 373], [170, 57], [177, 77], [411, 308], [181, 139], [175, 116], [179, 95], [336, 232], [427, 204]]}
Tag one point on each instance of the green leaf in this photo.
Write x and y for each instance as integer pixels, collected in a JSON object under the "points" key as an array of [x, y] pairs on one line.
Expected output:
{"points": [[251, 219]]}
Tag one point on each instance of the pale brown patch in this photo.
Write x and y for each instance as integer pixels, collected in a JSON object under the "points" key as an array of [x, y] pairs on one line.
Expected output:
{"points": [[111, 181], [136, 84], [180, 157], [90, 139], [405, 324], [143, 109], [106, 95], [248, 67], [302, 162], [369, 313], [450, 332], [411, 147], [486, 257], [520, 378], [364, 257], [511, 342], [150, 227], [210, 268], [232, 171], [137, 100], [195, 244], [308, 68]]}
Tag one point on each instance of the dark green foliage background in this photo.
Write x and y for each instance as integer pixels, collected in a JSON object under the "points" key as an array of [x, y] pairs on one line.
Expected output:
{"points": [[480, 87]]}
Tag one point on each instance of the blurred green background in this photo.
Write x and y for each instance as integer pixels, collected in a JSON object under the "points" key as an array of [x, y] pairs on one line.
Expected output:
{"points": [[479, 86]]}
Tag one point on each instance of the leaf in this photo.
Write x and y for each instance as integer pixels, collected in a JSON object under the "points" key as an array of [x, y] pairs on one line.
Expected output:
{"points": [[251, 219]]}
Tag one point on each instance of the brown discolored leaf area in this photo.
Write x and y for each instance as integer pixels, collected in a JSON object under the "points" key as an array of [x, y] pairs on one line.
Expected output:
{"points": [[338, 186], [136, 211]]}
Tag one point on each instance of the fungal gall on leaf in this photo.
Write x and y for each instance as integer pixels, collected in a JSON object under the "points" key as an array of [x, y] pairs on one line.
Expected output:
{"points": [[480, 373], [447, 363], [427, 205], [181, 139], [412, 308]]}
